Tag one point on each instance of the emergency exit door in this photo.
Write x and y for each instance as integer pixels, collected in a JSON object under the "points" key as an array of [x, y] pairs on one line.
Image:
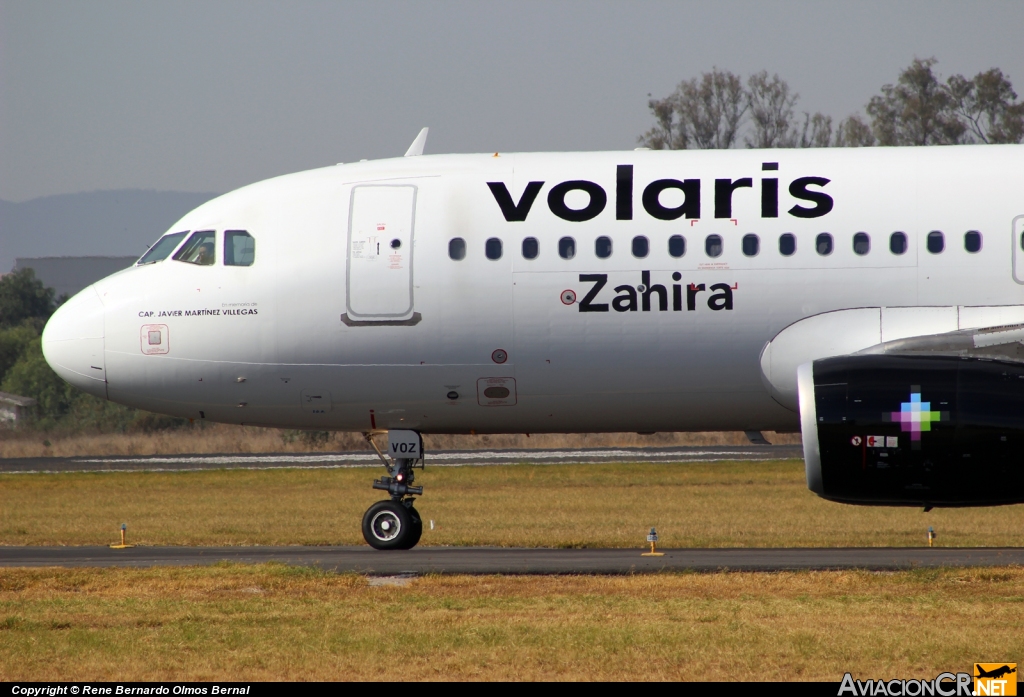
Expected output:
{"points": [[379, 265]]}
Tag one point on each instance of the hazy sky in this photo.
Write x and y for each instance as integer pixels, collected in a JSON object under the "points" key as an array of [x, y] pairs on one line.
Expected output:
{"points": [[212, 95]]}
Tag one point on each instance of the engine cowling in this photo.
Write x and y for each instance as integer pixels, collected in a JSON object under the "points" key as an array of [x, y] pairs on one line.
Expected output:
{"points": [[913, 430]]}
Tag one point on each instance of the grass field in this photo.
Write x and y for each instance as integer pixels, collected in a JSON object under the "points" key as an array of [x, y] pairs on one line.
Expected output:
{"points": [[752, 504], [274, 622]]}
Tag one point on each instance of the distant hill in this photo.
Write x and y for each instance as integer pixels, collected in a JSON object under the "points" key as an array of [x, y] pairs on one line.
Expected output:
{"points": [[101, 223]]}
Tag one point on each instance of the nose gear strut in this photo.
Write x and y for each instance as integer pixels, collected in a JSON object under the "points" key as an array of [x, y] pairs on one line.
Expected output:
{"points": [[395, 523]]}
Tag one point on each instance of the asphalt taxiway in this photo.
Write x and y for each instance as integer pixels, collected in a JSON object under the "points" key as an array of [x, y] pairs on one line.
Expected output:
{"points": [[441, 458], [498, 560]]}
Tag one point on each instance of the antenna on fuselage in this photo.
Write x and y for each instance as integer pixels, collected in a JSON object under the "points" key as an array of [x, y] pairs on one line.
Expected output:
{"points": [[417, 145]]}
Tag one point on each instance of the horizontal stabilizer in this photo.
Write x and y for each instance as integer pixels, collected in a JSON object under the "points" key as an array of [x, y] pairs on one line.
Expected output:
{"points": [[417, 145]]}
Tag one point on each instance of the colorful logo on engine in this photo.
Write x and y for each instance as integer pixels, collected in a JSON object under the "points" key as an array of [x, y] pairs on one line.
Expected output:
{"points": [[916, 416]]}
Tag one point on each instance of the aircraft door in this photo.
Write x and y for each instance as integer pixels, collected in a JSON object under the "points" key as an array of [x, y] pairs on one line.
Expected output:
{"points": [[1018, 249], [379, 265]]}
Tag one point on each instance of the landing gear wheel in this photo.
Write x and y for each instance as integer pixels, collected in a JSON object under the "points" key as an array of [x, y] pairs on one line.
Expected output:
{"points": [[389, 525], [415, 530]]}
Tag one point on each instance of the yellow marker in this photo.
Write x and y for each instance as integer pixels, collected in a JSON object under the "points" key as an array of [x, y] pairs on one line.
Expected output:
{"points": [[652, 537], [931, 536], [124, 529]]}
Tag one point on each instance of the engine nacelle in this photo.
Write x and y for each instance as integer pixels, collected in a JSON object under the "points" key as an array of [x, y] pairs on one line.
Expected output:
{"points": [[913, 431]]}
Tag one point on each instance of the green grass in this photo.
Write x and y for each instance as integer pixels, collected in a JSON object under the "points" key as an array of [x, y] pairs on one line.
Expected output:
{"points": [[760, 504], [268, 622]]}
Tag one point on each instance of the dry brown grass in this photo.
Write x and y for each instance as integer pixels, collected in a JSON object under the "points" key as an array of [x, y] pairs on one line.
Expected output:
{"points": [[279, 623], [224, 438], [750, 504]]}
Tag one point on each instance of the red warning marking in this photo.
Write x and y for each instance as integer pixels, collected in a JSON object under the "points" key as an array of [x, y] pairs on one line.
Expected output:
{"points": [[736, 286], [694, 222], [734, 221]]}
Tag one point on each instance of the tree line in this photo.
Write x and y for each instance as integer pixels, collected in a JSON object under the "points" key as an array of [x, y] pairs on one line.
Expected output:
{"points": [[721, 110]]}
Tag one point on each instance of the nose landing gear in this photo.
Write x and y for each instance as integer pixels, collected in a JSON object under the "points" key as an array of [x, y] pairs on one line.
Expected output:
{"points": [[392, 525], [395, 523]]}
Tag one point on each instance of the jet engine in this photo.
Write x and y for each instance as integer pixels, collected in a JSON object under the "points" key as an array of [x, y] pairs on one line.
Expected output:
{"points": [[914, 430]]}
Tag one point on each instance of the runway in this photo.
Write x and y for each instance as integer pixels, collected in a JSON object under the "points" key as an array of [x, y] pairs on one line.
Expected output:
{"points": [[494, 560], [445, 458]]}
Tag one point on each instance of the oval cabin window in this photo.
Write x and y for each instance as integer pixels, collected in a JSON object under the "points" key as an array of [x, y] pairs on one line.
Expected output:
{"points": [[787, 244], [457, 249], [823, 244], [898, 243], [861, 244]]}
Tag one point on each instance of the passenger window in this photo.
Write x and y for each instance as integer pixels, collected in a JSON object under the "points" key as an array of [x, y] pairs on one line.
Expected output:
{"points": [[751, 245], [199, 249], [567, 248], [823, 244], [162, 248], [492, 248], [897, 243], [641, 247], [603, 247], [239, 248], [531, 248], [676, 246], [787, 244], [861, 244], [456, 249], [972, 241], [713, 246], [936, 242]]}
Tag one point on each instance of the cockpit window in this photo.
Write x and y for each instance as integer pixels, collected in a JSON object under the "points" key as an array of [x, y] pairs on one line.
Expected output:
{"points": [[240, 248], [199, 249], [162, 248]]}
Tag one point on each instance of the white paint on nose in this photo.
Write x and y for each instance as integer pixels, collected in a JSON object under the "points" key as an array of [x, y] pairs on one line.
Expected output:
{"points": [[73, 342]]}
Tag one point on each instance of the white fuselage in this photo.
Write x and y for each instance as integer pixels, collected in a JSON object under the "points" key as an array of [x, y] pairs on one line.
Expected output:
{"points": [[332, 328]]}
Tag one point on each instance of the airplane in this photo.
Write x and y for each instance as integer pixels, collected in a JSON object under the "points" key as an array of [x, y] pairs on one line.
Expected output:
{"points": [[840, 293], [994, 673]]}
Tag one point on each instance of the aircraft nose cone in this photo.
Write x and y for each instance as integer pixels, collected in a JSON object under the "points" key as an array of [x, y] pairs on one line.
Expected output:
{"points": [[73, 342]]}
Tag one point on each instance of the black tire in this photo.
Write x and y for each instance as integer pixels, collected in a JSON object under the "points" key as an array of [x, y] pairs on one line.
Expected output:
{"points": [[415, 529], [388, 525]]}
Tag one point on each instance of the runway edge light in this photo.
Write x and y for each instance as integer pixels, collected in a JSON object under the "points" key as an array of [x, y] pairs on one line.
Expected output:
{"points": [[652, 537], [123, 545]]}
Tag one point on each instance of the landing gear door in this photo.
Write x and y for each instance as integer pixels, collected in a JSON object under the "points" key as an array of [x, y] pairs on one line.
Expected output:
{"points": [[1018, 249], [379, 264]]}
